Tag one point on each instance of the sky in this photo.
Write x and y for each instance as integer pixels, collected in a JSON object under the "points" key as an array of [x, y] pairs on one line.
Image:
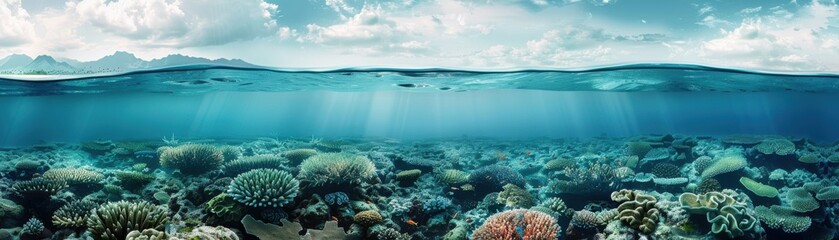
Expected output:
{"points": [[778, 35]]}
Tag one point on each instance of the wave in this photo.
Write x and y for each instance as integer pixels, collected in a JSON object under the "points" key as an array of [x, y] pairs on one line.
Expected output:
{"points": [[624, 77]]}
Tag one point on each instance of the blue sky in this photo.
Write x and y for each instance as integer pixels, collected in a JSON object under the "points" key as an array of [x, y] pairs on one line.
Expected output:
{"points": [[800, 35]]}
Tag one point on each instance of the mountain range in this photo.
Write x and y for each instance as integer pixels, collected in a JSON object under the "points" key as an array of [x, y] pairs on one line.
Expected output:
{"points": [[117, 62]]}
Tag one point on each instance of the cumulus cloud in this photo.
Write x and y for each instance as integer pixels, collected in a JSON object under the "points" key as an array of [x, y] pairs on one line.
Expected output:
{"points": [[179, 23], [15, 27]]}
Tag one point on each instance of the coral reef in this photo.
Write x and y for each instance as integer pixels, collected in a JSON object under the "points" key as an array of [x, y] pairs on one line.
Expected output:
{"points": [[116, 219], [336, 169], [192, 158], [518, 224], [264, 188]]}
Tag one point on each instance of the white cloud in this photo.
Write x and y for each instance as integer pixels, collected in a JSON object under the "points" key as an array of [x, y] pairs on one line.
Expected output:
{"points": [[713, 22], [747, 11], [369, 25], [179, 23], [15, 27], [706, 9], [340, 7]]}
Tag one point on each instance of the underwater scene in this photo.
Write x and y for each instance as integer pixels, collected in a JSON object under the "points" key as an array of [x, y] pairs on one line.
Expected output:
{"points": [[419, 120]]}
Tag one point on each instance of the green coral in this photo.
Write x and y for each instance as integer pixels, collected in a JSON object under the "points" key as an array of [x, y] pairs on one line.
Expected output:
{"points": [[192, 158], [801, 200], [780, 147], [336, 169], [146, 234], [784, 218], [555, 204], [725, 214], [230, 153], [829, 193], [115, 220], [515, 197], [73, 175], [759, 189], [725, 164], [224, 206], [248, 163], [809, 158], [74, 214], [297, 156], [264, 188], [637, 210]]}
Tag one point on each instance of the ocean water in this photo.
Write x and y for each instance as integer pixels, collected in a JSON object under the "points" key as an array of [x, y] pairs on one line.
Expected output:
{"points": [[644, 151]]}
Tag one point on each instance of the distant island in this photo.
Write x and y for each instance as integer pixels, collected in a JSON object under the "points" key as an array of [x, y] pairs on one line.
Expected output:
{"points": [[19, 64]]}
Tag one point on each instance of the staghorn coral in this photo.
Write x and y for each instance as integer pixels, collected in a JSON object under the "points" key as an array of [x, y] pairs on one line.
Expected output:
{"points": [[248, 163], [759, 188], [555, 204], [725, 164], [230, 153], [264, 188], [74, 214], [336, 169], [367, 218], [518, 224], [73, 176], [115, 220], [637, 210], [33, 227], [784, 218], [584, 219], [192, 158], [515, 197]]}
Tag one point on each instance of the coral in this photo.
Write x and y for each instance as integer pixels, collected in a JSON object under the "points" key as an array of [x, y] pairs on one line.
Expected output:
{"points": [[726, 215], [555, 204], [37, 189], [73, 175], [297, 156], [560, 164], [708, 185], [625, 174], [670, 181], [515, 197], [829, 193], [674, 213], [453, 177], [704, 203], [656, 154], [336, 168], [518, 224], [336, 198], [248, 163], [74, 214], [584, 219], [784, 218], [230, 153], [264, 188], [759, 188], [799, 199], [210, 233], [263, 230], [638, 149], [436, 204], [778, 174], [776, 146], [809, 158], [192, 158], [666, 170], [637, 210], [393, 234], [224, 206], [408, 175], [132, 179], [595, 178], [702, 162], [367, 218], [725, 164], [493, 178], [146, 234], [9, 209], [115, 219], [27, 165], [33, 227]]}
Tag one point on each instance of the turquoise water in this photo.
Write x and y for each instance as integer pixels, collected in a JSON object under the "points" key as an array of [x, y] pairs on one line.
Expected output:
{"points": [[435, 153]]}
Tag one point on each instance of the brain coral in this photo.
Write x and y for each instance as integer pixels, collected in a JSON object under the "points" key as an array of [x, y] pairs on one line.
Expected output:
{"points": [[264, 188], [725, 164], [518, 224], [367, 218], [336, 168], [192, 158]]}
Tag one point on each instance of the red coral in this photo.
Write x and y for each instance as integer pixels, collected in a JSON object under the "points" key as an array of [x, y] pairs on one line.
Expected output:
{"points": [[519, 224]]}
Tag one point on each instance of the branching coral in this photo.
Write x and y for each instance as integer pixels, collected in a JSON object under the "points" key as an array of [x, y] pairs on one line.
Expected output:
{"points": [[515, 197], [264, 188], [336, 168], [38, 189], [248, 163], [115, 220], [596, 178], [192, 158], [73, 175], [518, 224], [74, 214]]}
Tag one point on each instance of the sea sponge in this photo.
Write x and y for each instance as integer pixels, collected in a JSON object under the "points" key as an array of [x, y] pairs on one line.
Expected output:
{"points": [[780, 147], [452, 177], [336, 169], [115, 220], [264, 188], [799, 199], [297, 156], [74, 214], [408, 175], [38, 188], [516, 197], [248, 163], [493, 178], [192, 158], [73, 175], [518, 224], [784, 218], [829, 193], [759, 188], [367, 218], [725, 164], [666, 170]]}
